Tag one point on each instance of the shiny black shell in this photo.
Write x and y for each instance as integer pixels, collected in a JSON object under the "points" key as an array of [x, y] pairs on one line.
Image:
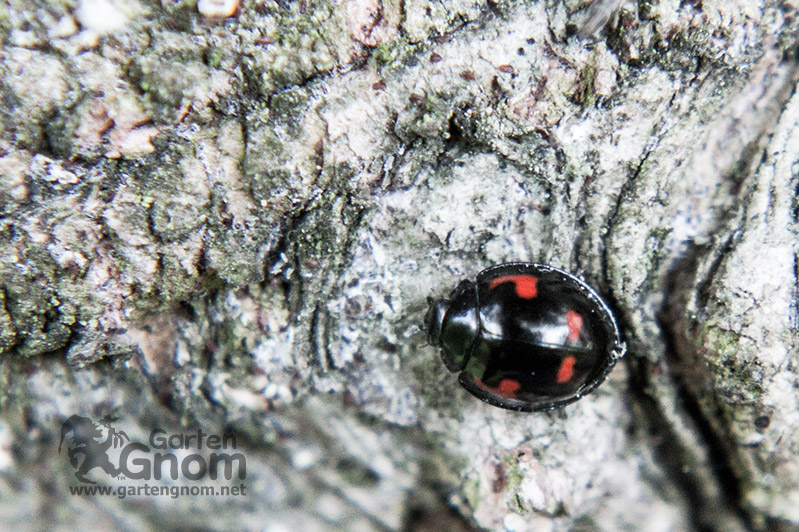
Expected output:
{"points": [[526, 336]]}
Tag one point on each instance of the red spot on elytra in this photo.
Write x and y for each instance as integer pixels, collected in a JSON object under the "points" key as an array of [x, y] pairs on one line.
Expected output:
{"points": [[526, 285], [566, 369], [575, 323], [508, 387], [505, 388]]}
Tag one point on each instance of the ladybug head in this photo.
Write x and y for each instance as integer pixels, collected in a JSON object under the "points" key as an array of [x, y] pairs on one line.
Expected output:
{"points": [[434, 319], [452, 324]]}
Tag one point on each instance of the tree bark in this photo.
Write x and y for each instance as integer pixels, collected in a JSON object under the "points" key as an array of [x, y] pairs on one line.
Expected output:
{"points": [[232, 224]]}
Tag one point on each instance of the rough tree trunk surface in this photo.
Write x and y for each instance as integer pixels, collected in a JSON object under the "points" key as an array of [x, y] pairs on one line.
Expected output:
{"points": [[233, 223]]}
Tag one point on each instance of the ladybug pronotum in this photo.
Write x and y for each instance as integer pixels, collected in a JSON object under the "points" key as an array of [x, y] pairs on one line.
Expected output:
{"points": [[526, 336]]}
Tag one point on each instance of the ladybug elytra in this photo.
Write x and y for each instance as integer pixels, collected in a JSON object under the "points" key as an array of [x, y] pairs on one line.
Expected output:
{"points": [[526, 336]]}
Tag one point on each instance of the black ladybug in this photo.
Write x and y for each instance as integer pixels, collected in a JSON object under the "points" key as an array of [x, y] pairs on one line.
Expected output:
{"points": [[526, 336]]}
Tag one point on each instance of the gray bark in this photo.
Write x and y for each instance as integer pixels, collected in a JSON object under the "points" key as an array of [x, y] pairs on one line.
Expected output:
{"points": [[233, 224]]}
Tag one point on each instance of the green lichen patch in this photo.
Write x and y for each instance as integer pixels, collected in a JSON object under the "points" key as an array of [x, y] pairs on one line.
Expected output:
{"points": [[290, 46], [395, 54], [737, 378], [176, 78], [39, 321], [513, 472], [585, 95]]}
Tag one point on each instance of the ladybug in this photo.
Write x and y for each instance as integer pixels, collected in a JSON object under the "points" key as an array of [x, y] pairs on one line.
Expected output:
{"points": [[526, 336]]}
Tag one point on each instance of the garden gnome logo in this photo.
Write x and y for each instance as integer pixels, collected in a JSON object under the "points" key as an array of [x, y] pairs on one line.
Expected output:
{"points": [[88, 447]]}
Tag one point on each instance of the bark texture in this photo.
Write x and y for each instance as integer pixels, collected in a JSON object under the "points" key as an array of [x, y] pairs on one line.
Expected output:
{"points": [[232, 224]]}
